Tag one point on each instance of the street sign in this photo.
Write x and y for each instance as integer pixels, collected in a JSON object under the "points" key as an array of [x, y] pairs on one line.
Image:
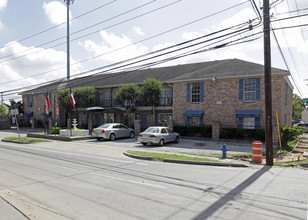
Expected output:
{"points": [[14, 112]]}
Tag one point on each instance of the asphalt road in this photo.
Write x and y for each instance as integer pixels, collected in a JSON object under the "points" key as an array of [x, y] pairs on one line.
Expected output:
{"points": [[94, 180]]}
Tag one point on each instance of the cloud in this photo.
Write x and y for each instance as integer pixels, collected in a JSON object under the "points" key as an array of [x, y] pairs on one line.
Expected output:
{"points": [[56, 12], [33, 64], [3, 4], [138, 31], [110, 46]]}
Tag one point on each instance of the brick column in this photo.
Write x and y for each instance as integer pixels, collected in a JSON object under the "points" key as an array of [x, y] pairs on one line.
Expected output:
{"points": [[215, 129], [90, 124], [137, 126]]}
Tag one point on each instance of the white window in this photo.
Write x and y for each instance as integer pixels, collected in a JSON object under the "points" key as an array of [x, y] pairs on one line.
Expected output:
{"points": [[249, 89], [195, 92], [166, 97], [249, 122], [195, 121]]}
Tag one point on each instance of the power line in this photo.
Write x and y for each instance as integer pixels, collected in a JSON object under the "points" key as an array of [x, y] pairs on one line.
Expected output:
{"points": [[162, 33], [125, 64], [63, 37], [53, 27]]}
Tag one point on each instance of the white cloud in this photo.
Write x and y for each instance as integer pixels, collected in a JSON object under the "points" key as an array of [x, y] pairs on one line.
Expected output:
{"points": [[33, 64], [110, 46], [56, 12], [3, 4], [138, 31]]}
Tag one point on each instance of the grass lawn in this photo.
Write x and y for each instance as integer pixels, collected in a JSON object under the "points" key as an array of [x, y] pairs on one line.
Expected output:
{"points": [[161, 156], [25, 139]]}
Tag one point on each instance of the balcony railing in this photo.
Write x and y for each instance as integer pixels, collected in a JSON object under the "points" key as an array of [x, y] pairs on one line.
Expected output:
{"points": [[165, 101]]}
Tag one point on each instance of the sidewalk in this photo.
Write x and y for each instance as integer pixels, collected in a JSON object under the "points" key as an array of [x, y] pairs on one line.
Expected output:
{"points": [[9, 212]]}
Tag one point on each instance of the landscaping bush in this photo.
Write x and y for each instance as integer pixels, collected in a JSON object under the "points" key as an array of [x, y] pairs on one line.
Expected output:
{"points": [[290, 134], [55, 130], [202, 131], [241, 133]]}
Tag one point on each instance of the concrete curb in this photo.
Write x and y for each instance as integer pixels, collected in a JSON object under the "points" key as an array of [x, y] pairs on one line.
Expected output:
{"points": [[57, 138], [17, 142], [188, 161]]}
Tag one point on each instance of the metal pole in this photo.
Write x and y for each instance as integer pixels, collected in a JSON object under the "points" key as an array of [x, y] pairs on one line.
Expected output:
{"points": [[268, 85], [68, 38]]}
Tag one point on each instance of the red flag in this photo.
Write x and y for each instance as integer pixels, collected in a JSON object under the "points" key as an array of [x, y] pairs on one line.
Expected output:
{"points": [[47, 100], [57, 108], [72, 100], [46, 107]]}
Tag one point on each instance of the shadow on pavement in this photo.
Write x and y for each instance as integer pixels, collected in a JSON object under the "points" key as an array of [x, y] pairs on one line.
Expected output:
{"points": [[232, 194]]}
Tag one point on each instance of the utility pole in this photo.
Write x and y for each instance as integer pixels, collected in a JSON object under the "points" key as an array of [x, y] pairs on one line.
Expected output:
{"points": [[268, 84], [68, 36], [1, 98]]}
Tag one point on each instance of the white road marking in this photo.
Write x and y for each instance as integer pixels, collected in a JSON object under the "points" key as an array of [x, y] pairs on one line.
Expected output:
{"points": [[129, 181]]}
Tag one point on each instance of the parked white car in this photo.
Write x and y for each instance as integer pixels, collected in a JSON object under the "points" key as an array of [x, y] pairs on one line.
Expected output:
{"points": [[112, 131], [158, 135]]}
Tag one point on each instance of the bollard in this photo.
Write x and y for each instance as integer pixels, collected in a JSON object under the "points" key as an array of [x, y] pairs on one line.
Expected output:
{"points": [[256, 152], [224, 150]]}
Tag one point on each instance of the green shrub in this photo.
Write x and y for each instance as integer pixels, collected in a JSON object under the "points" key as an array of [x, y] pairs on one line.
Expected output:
{"points": [[206, 131], [55, 130], [290, 134], [203, 131], [241, 133]]}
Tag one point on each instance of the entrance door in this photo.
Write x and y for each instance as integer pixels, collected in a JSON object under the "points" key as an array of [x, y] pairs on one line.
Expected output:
{"points": [[143, 120]]}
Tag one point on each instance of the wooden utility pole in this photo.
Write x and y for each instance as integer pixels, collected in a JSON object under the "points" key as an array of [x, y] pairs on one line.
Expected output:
{"points": [[268, 84]]}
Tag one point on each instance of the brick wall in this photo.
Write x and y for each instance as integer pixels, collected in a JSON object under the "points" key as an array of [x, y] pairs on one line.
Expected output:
{"points": [[38, 107], [221, 102]]}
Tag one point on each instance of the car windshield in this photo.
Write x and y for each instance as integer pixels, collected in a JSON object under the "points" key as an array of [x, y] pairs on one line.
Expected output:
{"points": [[152, 130], [104, 126]]}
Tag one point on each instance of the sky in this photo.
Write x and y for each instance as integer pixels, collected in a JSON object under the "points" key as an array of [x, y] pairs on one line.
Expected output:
{"points": [[33, 47]]}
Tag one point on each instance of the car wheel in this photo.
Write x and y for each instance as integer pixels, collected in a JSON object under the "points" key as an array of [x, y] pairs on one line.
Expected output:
{"points": [[112, 137], [144, 143], [132, 135], [99, 139], [161, 142], [177, 139]]}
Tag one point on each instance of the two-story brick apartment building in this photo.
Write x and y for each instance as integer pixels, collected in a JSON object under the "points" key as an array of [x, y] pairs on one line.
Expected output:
{"points": [[229, 92]]}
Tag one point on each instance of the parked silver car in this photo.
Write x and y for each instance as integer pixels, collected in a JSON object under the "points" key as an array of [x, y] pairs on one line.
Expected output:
{"points": [[112, 131], [158, 135]]}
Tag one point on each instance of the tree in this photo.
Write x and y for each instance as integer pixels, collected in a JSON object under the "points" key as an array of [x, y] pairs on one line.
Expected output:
{"points": [[3, 110], [84, 97], [15, 105], [126, 96], [150, 92], [298, 107]]}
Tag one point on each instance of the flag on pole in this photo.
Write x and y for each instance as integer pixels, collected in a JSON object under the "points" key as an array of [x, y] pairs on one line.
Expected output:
{"points": [[56, 105], [47, 99], [46, 107], [72, 100], [57, 109]]}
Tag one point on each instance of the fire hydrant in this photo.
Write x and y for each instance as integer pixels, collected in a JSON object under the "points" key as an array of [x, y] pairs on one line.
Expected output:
{"points": [[224, 150]]}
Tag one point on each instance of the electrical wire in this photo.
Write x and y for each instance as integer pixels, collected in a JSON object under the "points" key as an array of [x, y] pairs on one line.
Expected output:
{"points": [[56, 26], [125, 64], [64, 37], [138, 42]]}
